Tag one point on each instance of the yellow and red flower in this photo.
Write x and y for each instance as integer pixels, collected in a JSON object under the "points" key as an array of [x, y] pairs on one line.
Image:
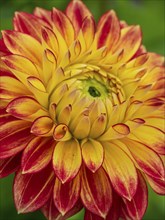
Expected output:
{"points": [[81, 114]]}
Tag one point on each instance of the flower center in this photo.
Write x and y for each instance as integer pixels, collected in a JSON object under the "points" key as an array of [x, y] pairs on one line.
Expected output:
{"points": [[94, 92]]}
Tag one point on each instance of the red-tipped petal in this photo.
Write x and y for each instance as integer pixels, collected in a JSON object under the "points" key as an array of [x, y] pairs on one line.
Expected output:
{"points": [[156, 184], [92, 152], [63, 24], [37, 154], [121, 170], [51, 213], [114, 212], [136, 208], [148, 161], [67, 160], [45, 15], [90, 216], [31, 191], [9, 165], [29, 24], [66, 195], [88, 30], [96, 192], [77, 12], [23, 44], [108, 30], [23, 107], [129, 42]]}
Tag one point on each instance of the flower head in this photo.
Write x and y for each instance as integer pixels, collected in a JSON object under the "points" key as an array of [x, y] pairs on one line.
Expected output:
{"points": [[81, 114]]}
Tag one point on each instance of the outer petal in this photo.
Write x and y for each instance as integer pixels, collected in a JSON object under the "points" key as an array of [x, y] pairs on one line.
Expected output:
{"points": [[32, 191], [91, 216], [136, 208], [29, 24], [96, 192], [45, 15], [14, 139], [23, 107], [108, 30], [121, 170], [66, 195], [129, 42], [88, 30], [148, 161], [51, 212], [92, 152], [9, 165], [37, 154], [23, 44], [157, 185], [77, 11], [114, 212], [63, 25], [67, 160]]}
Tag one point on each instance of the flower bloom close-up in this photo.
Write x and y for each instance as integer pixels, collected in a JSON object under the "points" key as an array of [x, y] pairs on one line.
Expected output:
{"points": [[82, 107]]}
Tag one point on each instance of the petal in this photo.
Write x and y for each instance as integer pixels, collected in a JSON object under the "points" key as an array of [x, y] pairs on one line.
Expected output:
{"points": [[42, 126], [9, 165], [23, 107], [23, 44], [116, 131], [92, 152], [88, 30], [148, 161], [156, 184], [129, 42], [63, 25], [51, 213], [31, 191], [136, 208], [67, 160], [66, 195], [16, 141], [45, 15], [11, 88], [96, 192], [98, 126], [28, 24], [114, 212], [108, 30], [120, 169], [91, 216], [77, 12], [37, 155], [152, 137]]}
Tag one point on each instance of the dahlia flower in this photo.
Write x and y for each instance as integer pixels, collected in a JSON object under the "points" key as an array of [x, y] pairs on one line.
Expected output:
{"points": [[81, 115]]}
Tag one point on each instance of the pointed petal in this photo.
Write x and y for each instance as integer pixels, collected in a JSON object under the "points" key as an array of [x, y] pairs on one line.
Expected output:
{"points": [[37, 155], [66, 195], [96, 192], [114, 212], [77, 11], [156, 184], [31, 191], [51, 213], [23, 107], [9, 165], [82, 128], [148, 161], [63, 25], [88, 30], [137, 206], [98, 126], [120, 169], [42, 126], [108, 30], [129, 42], [23, 44], [45, 15], [92, 152], [67, 160], [28, 24], [90, 216]]}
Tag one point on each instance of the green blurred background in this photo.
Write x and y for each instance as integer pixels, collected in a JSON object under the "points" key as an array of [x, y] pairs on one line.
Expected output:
{"points": [[150, 15]]}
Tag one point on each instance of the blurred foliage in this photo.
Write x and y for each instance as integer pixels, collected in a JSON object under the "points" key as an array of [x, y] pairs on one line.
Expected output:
{"points": [[149, 14]]}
